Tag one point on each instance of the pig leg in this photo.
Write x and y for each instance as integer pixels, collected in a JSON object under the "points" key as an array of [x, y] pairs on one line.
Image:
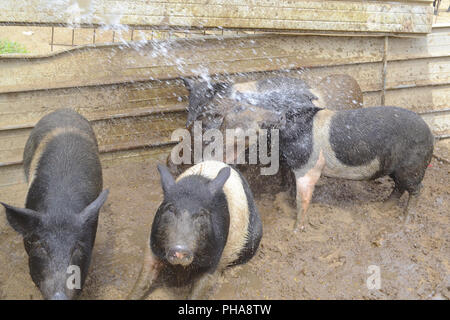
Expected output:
{"points": [[149, 272], [305, 188], [395, 194], [390, 202], [410, 210], [203, 286], [410, 179]]}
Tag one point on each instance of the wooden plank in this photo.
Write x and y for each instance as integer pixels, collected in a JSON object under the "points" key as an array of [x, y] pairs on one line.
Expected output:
{"points": [[88, 66], [435, 44], [418, 72], [13, 175], [421, 99], [439, 122], [354, 16], [24, 109], [10, 175], [432, 102], [112, 134]]}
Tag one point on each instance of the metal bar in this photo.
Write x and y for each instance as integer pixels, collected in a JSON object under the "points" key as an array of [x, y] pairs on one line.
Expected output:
{"points": [[93, 37], [73, 36], [384, 73], [268, 30], [434, 111], [138, 146], [63, 44], [442, 136], [51, 41]]}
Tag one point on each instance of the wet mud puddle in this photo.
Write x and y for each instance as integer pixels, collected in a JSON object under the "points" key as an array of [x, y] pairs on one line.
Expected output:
{"points": [[329, 261]]}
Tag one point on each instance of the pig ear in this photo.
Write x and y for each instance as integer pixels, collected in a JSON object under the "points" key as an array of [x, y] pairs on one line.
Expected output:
{"points": [[21, 219], [167, 181], [217, 184], [90, 213], [189, 83]]}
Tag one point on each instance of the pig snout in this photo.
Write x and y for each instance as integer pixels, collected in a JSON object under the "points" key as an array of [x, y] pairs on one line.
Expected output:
{"points": [[59, 296], [180, 255]]}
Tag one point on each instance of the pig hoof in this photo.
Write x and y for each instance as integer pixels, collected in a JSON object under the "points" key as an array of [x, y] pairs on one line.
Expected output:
{"points": [[388, 205], [409, 218], [298, 229]]}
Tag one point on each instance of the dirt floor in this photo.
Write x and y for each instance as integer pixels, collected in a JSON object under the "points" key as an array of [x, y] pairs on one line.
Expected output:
{"points": [[330, 262]]}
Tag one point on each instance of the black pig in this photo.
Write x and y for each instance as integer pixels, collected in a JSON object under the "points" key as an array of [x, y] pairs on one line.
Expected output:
{"points": [[59, 221], [357, 144], [206, 222]]}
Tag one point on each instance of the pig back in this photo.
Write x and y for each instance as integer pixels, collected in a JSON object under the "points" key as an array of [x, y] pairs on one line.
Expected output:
{"points": [[237, 207], [61, 162]]}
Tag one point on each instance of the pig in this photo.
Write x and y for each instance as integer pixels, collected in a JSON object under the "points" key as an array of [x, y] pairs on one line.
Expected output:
{"points": [[200, 95], [207, 222], [356, 144], [59, 221], [359, 144], [245, 105], [336, 92]]}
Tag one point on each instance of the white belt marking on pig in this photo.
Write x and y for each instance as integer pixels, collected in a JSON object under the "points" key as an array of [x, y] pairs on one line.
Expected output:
{"points": [[244, 87], [43, 144], [237, 206], [333, 167]]}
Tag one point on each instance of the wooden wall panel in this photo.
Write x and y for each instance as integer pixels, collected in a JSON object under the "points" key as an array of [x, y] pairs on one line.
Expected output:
{"points": [[134, 96], [404, 17]]}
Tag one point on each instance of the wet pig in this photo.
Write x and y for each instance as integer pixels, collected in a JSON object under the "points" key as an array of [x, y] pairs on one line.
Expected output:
{"points": [[59, 221], [255, 105], [335, 92], [359, 144], [206, 222]]}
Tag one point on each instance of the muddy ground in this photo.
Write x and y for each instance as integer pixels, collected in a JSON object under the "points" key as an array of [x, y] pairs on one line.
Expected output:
{"points": [[330, 262]]}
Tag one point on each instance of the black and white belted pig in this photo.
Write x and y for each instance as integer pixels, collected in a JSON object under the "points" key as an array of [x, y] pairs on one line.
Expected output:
{"points": [[275, 93], [359, 144], [252, 105], [59, 221], [206, 222]]}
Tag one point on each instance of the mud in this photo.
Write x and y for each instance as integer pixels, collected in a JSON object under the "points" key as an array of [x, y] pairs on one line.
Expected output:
{"points": [[328, 261]]}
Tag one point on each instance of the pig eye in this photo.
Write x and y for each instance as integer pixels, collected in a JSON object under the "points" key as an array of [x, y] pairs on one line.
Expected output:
{"points": [[38, 249], [77, 255], [35, 246], [201, 213], [170, 208]]}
